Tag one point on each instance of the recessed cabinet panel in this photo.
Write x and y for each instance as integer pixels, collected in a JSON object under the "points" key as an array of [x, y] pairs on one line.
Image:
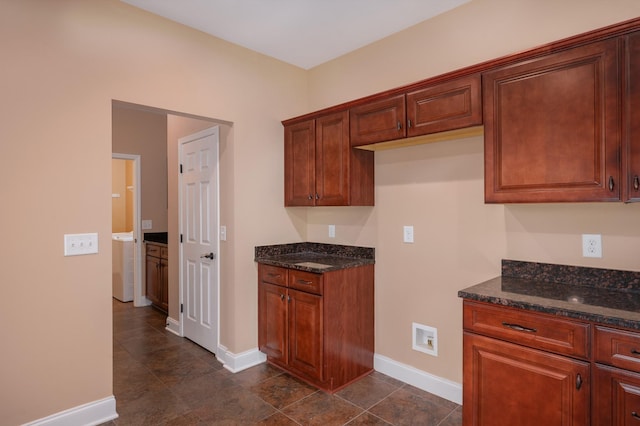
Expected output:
{"points": [[552, 127], [332, 160], [616, 400], [299, 162], [378, 121], [508, 384], [447, 106], [631, 153]]}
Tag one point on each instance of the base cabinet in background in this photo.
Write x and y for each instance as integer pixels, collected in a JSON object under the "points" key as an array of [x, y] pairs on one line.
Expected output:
{"points": [[156, 275]]}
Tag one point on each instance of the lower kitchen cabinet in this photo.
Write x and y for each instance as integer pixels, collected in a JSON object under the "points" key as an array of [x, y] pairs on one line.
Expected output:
{"points": [[616, 400], [516, 371], [318, 327], [507, 384], [156, 276]]}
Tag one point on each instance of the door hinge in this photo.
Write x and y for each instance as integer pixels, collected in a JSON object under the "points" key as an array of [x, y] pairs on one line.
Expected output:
{"points": [[180, 168], [181, 308]]}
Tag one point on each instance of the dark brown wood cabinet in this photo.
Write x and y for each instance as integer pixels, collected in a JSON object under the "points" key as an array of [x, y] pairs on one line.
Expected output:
{"points": [[321, 168], [425, 109], [156, 276], [616, 398], [517, 369], [631, 118], [552, 127], [318, 327]]}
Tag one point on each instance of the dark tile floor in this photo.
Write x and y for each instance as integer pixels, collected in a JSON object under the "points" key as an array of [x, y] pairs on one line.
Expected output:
{"points": [[162, 379]]}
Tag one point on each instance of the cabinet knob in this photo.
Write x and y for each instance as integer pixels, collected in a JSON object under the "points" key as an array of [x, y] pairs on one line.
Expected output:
{"points": [[310, 197], [611, 183], [281, 296], [399, 126], [317, 196], [578, 381], [408, 123], [636, 183]]}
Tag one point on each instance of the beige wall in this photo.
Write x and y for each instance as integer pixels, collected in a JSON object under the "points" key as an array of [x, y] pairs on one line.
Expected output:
{"points": [[144, 133], [65, 61], [438, 188]]}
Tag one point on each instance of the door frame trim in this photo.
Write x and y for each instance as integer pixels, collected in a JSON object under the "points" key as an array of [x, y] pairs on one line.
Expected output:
{"points": [[139, 299]]}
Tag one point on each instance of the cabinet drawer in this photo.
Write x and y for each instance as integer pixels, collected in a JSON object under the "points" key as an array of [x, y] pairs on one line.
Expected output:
{"points": [[305, 281], [618, 348], [153, 250], [273, 274], [528, 328]]}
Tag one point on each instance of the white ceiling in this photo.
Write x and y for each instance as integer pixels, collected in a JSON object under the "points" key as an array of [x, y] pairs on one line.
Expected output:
{"points": [[304, 33]]}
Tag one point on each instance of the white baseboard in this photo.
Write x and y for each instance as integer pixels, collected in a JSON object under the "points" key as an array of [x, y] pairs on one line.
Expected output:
{"points": [[444, 388], [242, 361], [93, 413], [173, 326]]}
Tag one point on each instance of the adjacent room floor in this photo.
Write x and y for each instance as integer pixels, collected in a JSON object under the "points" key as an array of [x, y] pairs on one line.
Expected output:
{"points": [[162, 379]]}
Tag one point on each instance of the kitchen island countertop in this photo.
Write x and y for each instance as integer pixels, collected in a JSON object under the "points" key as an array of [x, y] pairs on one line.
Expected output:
{"points": [[314, 257]]}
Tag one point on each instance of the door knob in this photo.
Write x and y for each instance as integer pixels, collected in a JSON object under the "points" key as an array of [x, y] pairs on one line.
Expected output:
{"points": [[208, 256]]}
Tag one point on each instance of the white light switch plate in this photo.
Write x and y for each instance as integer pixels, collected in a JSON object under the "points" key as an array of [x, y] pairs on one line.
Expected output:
{"points": [[79, 244], [147, 224], [223, 233]]}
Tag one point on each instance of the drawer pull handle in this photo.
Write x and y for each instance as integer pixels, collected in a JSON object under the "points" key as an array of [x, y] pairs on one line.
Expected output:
{"points": [[635, 352], [578, 381], [305, 282], [272, 275], [635, 415], [519, 327]]}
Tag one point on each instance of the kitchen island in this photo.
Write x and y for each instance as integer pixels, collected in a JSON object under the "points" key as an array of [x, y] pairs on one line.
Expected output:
{"points": [[316, 311]]}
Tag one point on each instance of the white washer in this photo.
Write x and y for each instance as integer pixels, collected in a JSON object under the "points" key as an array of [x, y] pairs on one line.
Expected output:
{"points": [[123, 266]]}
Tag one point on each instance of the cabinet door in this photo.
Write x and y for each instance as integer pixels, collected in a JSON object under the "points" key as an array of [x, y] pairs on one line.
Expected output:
{"points": [[152, 276], [552, 127], [631, 151], [299, 164], [451, 105], [378, 121], [507, 384], [306, 334], [616, 397], [332, 160], [164, 284], [272, 320]]}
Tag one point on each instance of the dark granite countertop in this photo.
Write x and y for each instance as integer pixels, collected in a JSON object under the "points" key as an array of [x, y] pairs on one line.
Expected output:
{"points": [[601, 295], [314, 257], [155, 237]]}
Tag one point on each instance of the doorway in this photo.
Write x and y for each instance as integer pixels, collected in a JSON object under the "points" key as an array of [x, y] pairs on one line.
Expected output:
{"points": [[126, 220]]}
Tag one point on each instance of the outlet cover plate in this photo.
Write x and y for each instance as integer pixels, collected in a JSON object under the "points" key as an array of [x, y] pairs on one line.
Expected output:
{"points": [[591, 245]]}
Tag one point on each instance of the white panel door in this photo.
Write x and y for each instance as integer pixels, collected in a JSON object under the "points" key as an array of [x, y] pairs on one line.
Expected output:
{"points": [[199, 230]]}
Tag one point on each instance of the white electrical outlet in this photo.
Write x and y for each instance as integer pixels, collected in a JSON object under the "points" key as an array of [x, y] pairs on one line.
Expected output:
{"points": [[407, 234], [591, 245], [332, 231]]}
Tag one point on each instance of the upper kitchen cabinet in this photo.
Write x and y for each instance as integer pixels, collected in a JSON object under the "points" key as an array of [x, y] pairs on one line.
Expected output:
{"points": [[321, 168], [424, 109], [631, 122], [378, 121], [552, 127]]}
